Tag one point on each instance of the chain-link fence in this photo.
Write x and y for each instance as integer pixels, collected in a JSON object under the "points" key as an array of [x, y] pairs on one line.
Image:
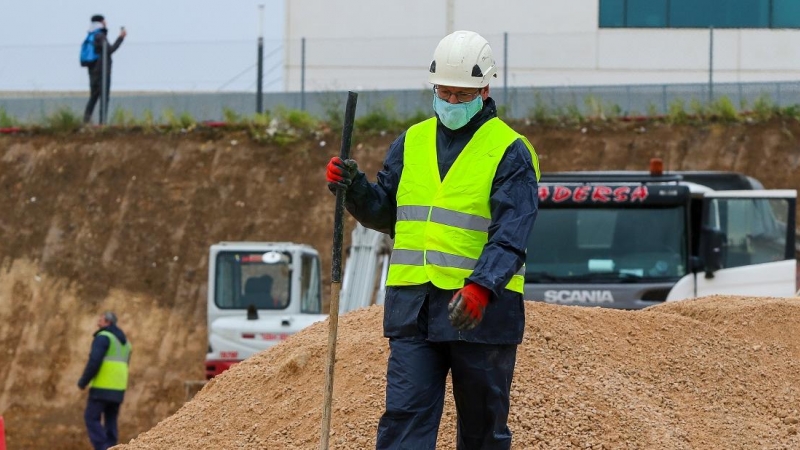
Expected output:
{"points": [[516, 102], [539, 73]]}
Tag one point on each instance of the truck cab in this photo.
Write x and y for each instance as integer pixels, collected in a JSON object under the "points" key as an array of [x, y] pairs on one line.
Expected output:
{"points": [[632, 239], [259, 293]]}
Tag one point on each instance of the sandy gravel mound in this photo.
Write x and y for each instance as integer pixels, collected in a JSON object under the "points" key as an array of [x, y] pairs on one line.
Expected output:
{"points": [[713, 373]]}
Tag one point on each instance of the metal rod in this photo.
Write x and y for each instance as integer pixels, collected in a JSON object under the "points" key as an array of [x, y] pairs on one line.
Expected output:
{"points": [[710, 65], [336, 274], [260, 71], [104, 84], [302, 74], [505, 70]]}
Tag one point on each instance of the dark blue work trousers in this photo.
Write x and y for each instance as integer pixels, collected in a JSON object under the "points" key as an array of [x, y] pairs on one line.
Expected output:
{"points": [[103, 434], [415, 389]]}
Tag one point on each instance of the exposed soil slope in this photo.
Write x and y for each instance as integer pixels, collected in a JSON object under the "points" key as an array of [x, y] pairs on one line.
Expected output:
{"points": [[123, 220]]}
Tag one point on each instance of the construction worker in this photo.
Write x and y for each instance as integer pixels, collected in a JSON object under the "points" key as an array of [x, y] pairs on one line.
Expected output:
{"points": [[106, 374], [458, 193]]}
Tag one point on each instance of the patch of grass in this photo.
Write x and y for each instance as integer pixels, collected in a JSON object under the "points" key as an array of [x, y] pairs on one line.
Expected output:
{"points": [[333, 107], [231, 117], [600, 110], [63, 120], [415, 118], [179, 123], [148, 122], [541, 112], [790, 112], [676, 114], [763, 108], [299, 120], [652, 110], [373, 121], [723, 110], [123, 118], [379, 119], [573, 114], [699, 109], [6, 120], [258, 126]]}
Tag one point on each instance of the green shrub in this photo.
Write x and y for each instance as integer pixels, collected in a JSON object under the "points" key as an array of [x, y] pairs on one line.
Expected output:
{"points": [[6, 120], [573, 114], [231, 117], [178, 123], [63, 120], [415, 118], [381, 118], [652, 110], [677, 113], [790, 112], [698, 109], [541, 113], [723, 109], [373, 121], [299, 120], [260, 119], [122, 117], [599, 110], [594, 107], [333, 107], [763, 108], [187, 121]]}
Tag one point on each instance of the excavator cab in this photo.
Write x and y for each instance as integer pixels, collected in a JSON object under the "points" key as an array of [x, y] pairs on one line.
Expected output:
{"points": [[259, 293]]}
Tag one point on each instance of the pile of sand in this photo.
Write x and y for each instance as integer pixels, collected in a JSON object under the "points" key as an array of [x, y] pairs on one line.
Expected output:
{"points": [[714, 373]]}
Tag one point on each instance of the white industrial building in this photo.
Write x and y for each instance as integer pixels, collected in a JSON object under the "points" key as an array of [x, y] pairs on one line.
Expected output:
{"points": [[387, 45]]}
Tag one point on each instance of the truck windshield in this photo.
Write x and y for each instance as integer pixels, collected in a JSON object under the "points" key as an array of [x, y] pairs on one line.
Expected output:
{"points": [[607, 245], [246, 278]]}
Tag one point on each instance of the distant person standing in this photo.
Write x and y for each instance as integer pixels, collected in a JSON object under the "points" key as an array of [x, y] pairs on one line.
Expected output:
{"points": [[92, 58], [106, 374]]}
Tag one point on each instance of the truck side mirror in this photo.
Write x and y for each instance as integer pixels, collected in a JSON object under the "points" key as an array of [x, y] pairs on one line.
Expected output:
{"points": [[713, 250]]}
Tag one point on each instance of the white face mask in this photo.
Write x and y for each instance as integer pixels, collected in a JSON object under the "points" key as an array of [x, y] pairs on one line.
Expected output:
{"points": [[455, 116]]}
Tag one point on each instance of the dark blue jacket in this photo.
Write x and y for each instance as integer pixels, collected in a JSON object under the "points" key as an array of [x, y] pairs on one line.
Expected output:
{"points": [[100, 345], [514, 206], [96, 68]]}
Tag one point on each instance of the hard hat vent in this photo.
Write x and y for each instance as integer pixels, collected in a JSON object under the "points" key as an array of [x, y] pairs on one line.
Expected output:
{"points": [[476, 71], [433, 67]]}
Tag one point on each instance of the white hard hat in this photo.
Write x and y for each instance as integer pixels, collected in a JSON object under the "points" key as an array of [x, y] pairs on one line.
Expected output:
{"points": [[462, 59]]}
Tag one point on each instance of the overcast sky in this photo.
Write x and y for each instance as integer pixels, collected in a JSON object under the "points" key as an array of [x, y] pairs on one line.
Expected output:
{"points": [[172, 45]]}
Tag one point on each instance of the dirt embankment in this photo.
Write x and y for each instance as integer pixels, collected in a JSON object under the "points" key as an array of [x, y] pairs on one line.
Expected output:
{"points": [[123, 221]]}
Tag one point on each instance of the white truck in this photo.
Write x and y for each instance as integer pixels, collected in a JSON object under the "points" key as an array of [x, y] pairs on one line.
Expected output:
{"points": [[632, 239], [260, 293]]}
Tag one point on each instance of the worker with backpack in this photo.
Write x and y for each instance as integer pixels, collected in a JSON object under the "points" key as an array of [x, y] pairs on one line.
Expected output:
{"points": [[93, 49]]}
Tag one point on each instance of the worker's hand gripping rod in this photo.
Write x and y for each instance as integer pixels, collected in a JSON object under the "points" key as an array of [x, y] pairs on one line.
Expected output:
{"points": [[336, 273]]}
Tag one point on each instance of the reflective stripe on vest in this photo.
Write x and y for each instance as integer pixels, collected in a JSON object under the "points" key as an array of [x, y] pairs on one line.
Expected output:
{"points": [[113, 373], [442, 225]]}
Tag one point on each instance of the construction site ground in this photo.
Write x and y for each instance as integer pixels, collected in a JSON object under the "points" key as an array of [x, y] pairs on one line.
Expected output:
{"points": [[122, 220]]}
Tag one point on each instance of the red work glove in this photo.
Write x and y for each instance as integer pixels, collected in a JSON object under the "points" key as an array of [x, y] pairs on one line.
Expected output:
{"points": [[466, 307], [340, 173]]}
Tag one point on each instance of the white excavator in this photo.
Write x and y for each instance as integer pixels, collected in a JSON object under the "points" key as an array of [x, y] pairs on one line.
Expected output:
{"points": [[260, 293]]}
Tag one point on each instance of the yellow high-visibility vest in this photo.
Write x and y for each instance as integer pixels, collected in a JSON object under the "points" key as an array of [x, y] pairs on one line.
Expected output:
{"points": [[113, 373], [442, 225]]}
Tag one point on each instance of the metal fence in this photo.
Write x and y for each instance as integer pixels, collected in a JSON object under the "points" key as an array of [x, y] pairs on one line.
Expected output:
{"points": [[516, 102]]}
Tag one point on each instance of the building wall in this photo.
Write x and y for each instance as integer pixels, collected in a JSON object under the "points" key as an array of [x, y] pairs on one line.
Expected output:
{"points": [[383, 44]]}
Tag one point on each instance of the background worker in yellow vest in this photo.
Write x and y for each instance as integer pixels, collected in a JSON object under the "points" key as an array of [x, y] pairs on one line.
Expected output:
{"points": [[106, 374], [458, 193]]}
